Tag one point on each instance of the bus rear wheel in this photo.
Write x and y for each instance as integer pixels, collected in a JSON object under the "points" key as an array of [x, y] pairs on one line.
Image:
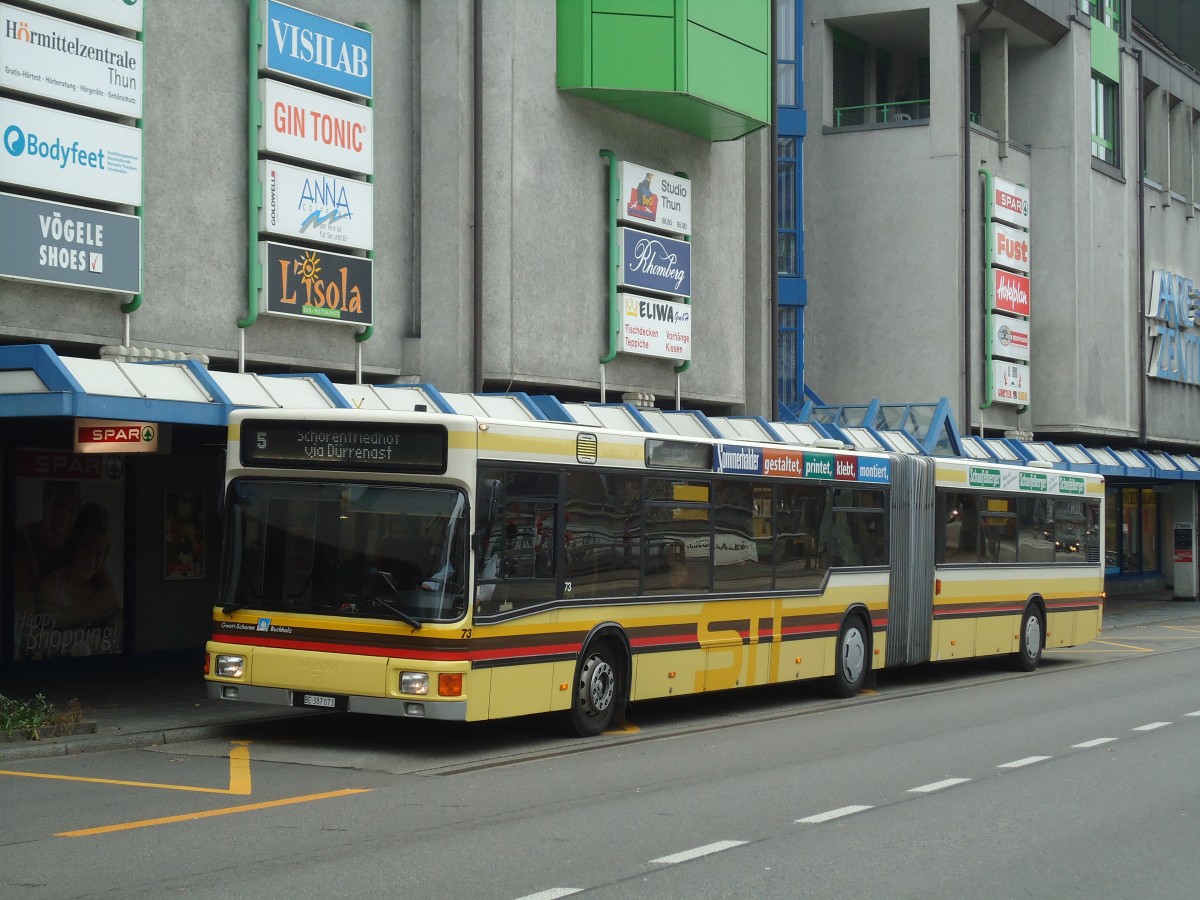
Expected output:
{"points": [[1029, 655], [598, 688], [850, 667]]}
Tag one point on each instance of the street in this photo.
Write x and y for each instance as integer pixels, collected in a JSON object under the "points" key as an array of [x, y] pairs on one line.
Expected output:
{"points": [[964, 780]]}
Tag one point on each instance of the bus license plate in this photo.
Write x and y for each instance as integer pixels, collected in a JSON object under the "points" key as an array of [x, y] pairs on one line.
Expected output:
{"points": [[318, 700]]}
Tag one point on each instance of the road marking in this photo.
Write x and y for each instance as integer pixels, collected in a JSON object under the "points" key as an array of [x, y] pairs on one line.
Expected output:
{"points": [[1027, 761], [210, 813], [832, 814], [1095, 742], [1196, 713], [1125, 646], [239, 776], [1151, 726], [1183, 628], [937, 785], [623, 728], [552, 894], [696, 852]]}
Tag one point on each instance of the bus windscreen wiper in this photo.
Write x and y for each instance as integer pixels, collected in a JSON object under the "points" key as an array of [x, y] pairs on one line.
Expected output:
{"points": [[400, 614]]}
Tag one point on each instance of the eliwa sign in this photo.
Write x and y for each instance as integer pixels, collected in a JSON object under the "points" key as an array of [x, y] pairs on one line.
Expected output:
{"points": [[653, 327], [57, 243], [68, 154], [69, 63]]}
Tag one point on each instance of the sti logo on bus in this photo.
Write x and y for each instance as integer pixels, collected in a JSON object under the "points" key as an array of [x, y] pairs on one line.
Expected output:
{"points": [[987, 478], [736, 458]]}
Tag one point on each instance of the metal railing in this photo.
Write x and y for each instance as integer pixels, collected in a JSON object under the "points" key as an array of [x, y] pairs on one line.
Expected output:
{"points": [[881, 113]]}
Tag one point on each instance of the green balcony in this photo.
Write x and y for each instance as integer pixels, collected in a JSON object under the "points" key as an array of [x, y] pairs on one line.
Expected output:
{"points": [[701, 66]]}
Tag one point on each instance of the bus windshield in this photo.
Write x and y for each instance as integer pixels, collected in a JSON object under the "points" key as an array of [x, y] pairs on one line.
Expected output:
{"points": [[374, 550]]}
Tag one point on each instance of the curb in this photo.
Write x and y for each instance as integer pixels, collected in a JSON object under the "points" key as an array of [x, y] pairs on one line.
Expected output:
{"points": [[67, 747]]}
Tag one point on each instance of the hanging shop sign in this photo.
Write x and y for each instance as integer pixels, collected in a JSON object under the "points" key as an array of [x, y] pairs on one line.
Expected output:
{"points": [[74, 246], [1010, 203], [317, 206], [1010, 248], [1010, 382], [70, 63], [313, 48], [1010, 337], [654, 327], [69, 154], [315, 127], [1010, 292], [652, 262], [1174, 328], [318, 285], [110, 436], [125, 14], [655, 199]]}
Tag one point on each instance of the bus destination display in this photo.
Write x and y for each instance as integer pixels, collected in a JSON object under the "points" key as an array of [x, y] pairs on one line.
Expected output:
{"points": [[368, 447]]}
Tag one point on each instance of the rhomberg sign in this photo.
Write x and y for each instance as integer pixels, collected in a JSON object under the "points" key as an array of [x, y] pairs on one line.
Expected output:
{"points": [[306, 283]]}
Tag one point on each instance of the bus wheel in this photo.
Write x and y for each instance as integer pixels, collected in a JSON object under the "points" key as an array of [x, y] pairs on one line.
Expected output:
{"points": [[1030, 654], [850, 668], [597, 689]]}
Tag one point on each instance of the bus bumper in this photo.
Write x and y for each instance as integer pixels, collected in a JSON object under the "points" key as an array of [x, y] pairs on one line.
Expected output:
{"points": [[443, 710]]}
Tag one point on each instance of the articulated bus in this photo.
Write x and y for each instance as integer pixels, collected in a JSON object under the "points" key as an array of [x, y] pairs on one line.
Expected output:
{"points": [[454, 567]]}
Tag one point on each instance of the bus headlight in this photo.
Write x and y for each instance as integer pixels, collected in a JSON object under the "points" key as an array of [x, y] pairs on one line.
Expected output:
{"points": [[414, 683], [231, 666]]}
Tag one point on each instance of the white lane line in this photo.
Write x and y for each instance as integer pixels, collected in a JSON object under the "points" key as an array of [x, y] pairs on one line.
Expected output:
{"points": [[1095, 742], [552, 894], [937, 785], [1017, 763], [1196, 713], [696, 852], [832, 814], [1151, 726]]}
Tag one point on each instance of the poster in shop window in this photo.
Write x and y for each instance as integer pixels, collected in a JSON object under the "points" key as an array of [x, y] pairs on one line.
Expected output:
{"points": [[68, 547], [183, 535]]}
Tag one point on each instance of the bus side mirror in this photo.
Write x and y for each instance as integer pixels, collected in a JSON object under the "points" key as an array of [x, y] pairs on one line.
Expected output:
{"points": [[489, 499]]}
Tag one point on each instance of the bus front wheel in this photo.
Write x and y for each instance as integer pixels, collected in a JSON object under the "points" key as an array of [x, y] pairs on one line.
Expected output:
{"points": [[597, 690], [850, 667], [1030, 653]]}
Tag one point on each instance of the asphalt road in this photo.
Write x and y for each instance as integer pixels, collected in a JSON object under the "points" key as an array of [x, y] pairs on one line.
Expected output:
{"points": [[951, 781]]}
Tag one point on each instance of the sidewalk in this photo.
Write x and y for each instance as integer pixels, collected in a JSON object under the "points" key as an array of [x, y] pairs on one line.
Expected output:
{"points": [[144, 708]]}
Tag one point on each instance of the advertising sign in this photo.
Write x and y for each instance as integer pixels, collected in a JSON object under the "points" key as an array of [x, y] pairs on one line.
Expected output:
{"points": [[315, 49], [1010, 292], [1174, 328], [314, 284], [654, 327], [56, 243], [315, 127], [1010, 248], [68, 154], [1010, 337], [1010, 382], [69, 63], [317, 206], [651, 262], [1010, 203], [655, 199], [111, 436], [125, 14], [68, 580]]}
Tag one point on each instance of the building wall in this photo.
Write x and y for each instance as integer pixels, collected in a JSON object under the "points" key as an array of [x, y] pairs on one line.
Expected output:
{"points": [[544, 187]]}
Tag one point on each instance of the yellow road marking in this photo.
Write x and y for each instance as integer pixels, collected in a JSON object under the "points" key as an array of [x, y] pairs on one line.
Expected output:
{"points": [[868, 691], [210, 813], [239, 776], [1124, 646], [624, 728]]}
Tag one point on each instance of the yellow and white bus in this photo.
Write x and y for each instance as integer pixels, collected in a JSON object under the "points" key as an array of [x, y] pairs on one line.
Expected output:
{"points": [[456, 567]]}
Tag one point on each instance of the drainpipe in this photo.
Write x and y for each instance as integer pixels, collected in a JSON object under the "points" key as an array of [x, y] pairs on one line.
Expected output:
{"points": [[477, 198], [968, 187], [1140, 329]]}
